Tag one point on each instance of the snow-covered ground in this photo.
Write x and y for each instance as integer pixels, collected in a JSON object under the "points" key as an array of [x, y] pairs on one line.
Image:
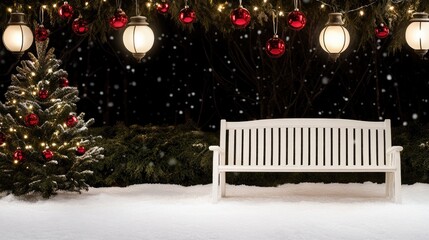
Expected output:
{"points": [[155, 211]]}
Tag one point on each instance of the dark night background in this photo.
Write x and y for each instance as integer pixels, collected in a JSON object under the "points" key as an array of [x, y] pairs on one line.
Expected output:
{"points": [[199, 75]]}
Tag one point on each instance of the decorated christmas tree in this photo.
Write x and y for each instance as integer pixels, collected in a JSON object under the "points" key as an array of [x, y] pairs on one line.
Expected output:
{"points": [[44, 144]]}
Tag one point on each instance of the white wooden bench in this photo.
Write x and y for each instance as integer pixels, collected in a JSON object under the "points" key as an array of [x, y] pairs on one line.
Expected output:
{"points": [[306, 145]]}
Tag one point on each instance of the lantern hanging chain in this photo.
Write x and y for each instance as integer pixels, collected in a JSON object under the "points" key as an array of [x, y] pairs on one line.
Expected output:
{"points": [[137, 8], [17, 6], [349, 11]]}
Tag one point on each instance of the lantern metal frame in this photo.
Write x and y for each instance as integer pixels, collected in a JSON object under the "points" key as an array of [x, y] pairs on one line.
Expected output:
{"points": [[18, 19], [134, 24], [335, 19]]}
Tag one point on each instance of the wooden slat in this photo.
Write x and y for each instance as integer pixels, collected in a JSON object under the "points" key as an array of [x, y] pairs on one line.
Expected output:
{"points": [[290, 146], [328, 147], [358, 146], [246, 144], [320, 146], [283, 146], [373, 160], [365, 148], [313, 146], [261, 146], [335, 146], [268, 147], [231, 146], [343, 147], [305, 146], [350, 147], [253, 147], [298, 146], [380, 146], [276, 149], [238, 146]]}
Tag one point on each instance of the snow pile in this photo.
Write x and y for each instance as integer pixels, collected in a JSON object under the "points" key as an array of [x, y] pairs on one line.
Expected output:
{"points": [[155, 211]]}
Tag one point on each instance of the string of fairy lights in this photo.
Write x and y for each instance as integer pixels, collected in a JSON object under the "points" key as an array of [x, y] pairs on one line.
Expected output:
{"points": [[239, 15]]}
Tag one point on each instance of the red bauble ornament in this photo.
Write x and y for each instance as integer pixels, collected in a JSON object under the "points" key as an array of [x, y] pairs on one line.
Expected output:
{"points": [[275, 47], [64, 82], [162, 7], [80, 26], [187, 15], [31, 120], [48, 154], [382, 31], [41, 33], [43, 94], [119, 19], [18, 155], [71, 121], [240, 17], [65, 11], [2, 138], [80, 150], [296, 20]]}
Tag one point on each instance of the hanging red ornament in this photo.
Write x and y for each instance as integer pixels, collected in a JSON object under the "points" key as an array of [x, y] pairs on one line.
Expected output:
{"points": [[18, 156], [162, 7], [382, 31], [240, 17], [65, 11], [80, 150], [119, 19], [296, 20], [71, 121], [2, 138], [48, 154], [64, 82], [41, 33], [275, 47], [187, 15], [43, 94], [80, 26], [31, 120]]}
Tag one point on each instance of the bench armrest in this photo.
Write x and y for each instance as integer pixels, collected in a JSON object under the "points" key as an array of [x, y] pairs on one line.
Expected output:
{"points": [[394, 149], [216, 149]]}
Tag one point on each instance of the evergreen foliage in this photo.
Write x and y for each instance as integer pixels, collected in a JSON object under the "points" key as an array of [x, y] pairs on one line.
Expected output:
{"points": [[415, 156], [154, 154], [39, 90]]}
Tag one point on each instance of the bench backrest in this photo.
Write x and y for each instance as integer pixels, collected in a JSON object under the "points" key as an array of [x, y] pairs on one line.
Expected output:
{"points": [[306, 142]]}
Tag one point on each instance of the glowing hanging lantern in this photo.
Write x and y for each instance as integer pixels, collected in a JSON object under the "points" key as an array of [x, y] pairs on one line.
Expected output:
{"points": [[138, 37], [334, 38], [417, 33], [17, 36]]}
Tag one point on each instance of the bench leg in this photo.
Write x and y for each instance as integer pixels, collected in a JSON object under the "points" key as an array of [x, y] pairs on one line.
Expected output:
{"points": [[393, 186], [389, 185], [215, 187], [397, 196], [223, 183]]}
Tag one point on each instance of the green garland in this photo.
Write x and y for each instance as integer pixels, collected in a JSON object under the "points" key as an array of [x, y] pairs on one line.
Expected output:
{"points": [[214, 14]]}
